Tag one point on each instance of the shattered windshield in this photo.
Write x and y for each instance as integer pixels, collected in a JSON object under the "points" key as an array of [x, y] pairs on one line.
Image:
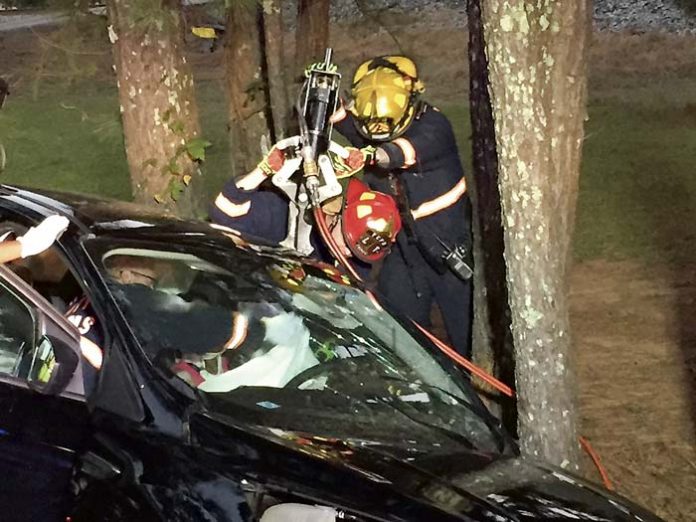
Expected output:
{"points": [[289, 346]]}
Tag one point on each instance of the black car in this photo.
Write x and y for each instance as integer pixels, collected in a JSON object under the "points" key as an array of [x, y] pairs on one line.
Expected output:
{"points": [[238, 382]]}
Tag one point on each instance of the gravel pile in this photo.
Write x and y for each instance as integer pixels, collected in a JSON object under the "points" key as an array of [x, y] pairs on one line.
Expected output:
{"points": [[611, 15], [642, 15]]}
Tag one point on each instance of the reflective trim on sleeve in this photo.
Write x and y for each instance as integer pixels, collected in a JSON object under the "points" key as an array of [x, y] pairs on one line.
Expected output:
{"points": [[439, 203], [339, 115], [407, 149], [240, 328], [233, 210]]}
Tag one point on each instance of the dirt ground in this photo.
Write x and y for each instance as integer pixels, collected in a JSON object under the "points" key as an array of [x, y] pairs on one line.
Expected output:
{"points": [[635, 338]]}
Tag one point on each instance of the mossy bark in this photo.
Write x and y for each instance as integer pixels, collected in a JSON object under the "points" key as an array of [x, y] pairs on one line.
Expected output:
{"points": [[536, 61], [158, 105], [250, 123]]}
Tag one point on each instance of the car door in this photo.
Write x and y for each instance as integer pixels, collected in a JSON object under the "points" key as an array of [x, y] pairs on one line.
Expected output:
{"points": [[42, 427]]}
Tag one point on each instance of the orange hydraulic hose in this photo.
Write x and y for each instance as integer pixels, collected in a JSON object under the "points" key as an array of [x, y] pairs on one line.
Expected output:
{"points": [[463, 361], [597, 462], [449, 351], [333, 247]]}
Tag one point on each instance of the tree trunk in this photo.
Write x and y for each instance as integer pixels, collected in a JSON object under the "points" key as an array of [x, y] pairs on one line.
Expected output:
{"points": [[312, 35], [274, 45], [536, 55], [250, 123], [158, 105], [494, 349]]}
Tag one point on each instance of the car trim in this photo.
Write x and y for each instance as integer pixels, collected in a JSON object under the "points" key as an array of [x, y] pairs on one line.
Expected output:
{"points": [[46, 311]]}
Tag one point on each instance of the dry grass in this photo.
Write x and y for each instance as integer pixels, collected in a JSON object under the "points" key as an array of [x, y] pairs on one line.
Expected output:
{"points": [[636, 345], [615, 55]]}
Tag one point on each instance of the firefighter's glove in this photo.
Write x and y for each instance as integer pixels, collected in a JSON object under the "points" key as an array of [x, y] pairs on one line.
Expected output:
{"points": [[320, 66], [42, 236], [272, 162], [348, 163], [281, 157], [369, 154]]}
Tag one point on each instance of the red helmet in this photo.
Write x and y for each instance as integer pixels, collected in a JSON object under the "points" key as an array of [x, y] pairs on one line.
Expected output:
{"points": [[370, 221]]}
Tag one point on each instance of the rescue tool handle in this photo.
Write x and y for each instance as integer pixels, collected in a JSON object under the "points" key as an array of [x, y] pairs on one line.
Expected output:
{"points": [[318, 100]]}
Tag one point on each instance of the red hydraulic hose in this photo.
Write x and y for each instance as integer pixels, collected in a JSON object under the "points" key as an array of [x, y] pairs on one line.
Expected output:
{"points": [[449, 351], [466, 363], [333, 247], [597, 462]]}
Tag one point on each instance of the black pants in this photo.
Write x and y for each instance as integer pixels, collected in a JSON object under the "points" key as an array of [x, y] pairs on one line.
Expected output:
{"points": [[412, 288]]}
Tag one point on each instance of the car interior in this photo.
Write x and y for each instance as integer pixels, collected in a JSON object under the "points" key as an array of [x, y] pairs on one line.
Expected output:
{"points": [[48, 274]]}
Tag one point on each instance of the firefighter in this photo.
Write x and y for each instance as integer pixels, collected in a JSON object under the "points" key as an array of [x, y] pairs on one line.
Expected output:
{"points": [[412, 155], [364, 224]]}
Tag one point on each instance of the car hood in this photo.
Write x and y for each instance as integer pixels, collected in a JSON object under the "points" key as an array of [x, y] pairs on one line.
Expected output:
{"points": [[456, 485]]}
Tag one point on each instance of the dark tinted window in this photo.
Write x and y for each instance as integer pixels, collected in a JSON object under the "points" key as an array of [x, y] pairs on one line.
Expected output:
{"points": [[17, 331]]}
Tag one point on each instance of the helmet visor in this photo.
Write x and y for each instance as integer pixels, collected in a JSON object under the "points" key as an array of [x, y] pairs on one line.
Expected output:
{"points": [[377, 127]]}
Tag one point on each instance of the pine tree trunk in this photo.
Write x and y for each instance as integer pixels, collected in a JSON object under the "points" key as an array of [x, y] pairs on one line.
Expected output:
{"points": [[274, 45], [494, 349], [536, 55], [158, 106], [312, 36], [247, 88]]}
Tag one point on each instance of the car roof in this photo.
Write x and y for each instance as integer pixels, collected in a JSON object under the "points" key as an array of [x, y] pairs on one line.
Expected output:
{"points": [[109, 217], [95, 213]]}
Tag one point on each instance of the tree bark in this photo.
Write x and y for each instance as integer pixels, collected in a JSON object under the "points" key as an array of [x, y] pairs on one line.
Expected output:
{"points": [[494, 349], [274, 45], [158, 105], [536, 55], [312, 35], [250, 123]]}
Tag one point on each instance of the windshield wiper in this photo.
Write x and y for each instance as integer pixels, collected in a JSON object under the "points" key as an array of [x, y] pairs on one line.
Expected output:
{"points": [[482, 414], [452, 435]]}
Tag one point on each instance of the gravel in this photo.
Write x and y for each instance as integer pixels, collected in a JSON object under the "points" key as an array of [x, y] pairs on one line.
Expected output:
{"points": [[643, 16], [609, 15]]}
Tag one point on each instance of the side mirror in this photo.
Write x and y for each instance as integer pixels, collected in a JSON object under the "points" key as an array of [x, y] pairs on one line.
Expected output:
{"points": [[53, 365]]}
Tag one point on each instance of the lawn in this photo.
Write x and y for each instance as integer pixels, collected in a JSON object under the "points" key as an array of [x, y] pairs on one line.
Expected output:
{"points": [[637, 191]]}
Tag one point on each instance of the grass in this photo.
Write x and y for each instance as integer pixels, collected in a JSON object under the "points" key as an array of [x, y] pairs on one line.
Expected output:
{"points": [[71, 140], [637, 190]]}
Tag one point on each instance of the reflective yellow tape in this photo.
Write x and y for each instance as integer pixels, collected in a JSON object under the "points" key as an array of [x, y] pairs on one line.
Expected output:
{"points": [[408, 150], [442, 202], [339, 115], [232, 209]]}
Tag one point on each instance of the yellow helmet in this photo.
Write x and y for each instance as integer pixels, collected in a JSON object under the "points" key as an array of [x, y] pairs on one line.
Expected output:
{"points": [[385, 91]]}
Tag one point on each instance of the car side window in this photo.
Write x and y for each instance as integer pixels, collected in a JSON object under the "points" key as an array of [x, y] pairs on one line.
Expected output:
{"points": [[17, 332]]}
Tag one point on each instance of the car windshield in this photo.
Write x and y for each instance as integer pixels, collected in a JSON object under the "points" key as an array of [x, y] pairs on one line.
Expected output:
{"points": [[287, 345]]}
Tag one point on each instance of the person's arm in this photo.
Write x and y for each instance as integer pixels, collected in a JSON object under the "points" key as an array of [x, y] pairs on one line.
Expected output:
{"points": [[344, 122], [262, 213], [428, 138], [36, 240], [10, 250]]}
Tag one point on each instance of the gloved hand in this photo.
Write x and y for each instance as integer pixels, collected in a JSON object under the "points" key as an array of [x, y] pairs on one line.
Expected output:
{"points": [[277, 159], [349, 162], [42, 236]]}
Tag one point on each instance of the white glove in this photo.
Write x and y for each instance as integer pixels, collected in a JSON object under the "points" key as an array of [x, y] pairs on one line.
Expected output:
{"points": [[42, 236]]}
